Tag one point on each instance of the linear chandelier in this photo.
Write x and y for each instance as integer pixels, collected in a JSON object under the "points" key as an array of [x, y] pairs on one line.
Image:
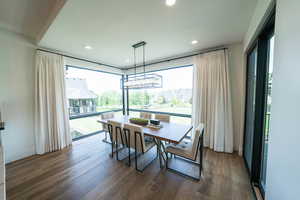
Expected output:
{"points": [[145, 80]]}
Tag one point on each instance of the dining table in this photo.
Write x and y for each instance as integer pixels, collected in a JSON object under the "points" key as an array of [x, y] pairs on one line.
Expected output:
{"points": [[168, 132]]}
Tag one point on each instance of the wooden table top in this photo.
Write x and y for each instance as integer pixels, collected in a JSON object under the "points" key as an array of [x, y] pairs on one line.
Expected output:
{"points": [[170, 132]]}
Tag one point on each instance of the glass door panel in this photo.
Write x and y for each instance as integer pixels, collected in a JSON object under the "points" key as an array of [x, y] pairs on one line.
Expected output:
{"points": [[267, 114], [250, 114]]}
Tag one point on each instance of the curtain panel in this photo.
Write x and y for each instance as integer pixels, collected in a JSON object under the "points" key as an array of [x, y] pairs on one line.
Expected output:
{"points": [[212, 100], [52, 130]]}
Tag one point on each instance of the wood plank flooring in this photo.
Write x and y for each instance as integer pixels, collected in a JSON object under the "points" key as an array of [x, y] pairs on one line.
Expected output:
{"points": [[85, 171]]}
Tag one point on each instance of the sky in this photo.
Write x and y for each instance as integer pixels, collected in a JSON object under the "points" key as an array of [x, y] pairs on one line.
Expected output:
{"points": [[100, 82]]}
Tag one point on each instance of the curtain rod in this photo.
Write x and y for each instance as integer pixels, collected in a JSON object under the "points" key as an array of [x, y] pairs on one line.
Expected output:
{"points": [[180, 57], [81, 59], [152, 63]]}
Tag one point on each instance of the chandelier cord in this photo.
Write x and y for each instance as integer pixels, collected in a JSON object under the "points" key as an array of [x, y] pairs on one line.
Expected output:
{"points": [[134, 53], [144, 62]]}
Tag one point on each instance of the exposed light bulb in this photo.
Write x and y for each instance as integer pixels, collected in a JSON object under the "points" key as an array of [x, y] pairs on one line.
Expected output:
{"points": [[170, 2], [194, 42], [88, 47]]}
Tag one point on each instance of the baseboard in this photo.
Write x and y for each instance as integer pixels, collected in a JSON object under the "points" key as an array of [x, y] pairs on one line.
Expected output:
{"points": [[30, 151]]}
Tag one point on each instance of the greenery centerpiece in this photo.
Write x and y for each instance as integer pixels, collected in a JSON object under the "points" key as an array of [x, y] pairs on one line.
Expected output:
{"points": [[139, 121]]}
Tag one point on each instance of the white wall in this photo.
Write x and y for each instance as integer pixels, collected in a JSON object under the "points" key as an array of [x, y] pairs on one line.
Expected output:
{"points": [[283, 172], [261, 12], [17, 95], [237, 81]]}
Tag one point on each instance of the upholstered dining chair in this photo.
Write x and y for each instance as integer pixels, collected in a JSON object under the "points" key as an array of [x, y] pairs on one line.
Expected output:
{"points": [[108, 115], [189, 151], [116, 136], [136, 140], [145, 115], [163, 118]]}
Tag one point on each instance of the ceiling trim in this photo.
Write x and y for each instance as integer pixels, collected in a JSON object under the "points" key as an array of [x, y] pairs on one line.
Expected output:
{"points": [[180, 57], [58, 5]]}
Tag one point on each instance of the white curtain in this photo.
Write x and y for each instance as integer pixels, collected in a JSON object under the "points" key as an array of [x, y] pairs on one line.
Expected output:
{"points": [[212, 100], [52, 131]]}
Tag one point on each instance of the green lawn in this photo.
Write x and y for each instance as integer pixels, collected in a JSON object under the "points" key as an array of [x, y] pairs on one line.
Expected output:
{"points": [[88, 125], [187, 109], [107, 108]]}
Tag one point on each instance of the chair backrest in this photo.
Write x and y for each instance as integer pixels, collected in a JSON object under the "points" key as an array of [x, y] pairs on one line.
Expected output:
{"points": [[108, 115], [197, 139], [145, 115], [130, 131], [164, 118], [115, 130]]}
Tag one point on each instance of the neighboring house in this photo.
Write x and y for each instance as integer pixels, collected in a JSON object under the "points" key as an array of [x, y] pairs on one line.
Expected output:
{"points": [[81, 99]]}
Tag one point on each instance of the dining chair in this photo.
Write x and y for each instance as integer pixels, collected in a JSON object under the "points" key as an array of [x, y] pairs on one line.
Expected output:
{"points": [[108, 115], [164, 118], [188, 151], [136, 140], [145, 115], [116, 136]]}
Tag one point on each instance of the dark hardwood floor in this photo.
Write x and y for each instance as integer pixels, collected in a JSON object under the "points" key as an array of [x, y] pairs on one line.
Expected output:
{"points": [[85, 171]]}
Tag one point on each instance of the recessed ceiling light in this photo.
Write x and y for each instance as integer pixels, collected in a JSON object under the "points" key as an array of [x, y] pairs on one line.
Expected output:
{"points": [[194, 42], [170, 2], [88, 47]]}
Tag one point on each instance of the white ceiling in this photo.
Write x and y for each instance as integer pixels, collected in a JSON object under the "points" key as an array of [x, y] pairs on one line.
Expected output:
{"points": [[25, 17], [112, 26]]}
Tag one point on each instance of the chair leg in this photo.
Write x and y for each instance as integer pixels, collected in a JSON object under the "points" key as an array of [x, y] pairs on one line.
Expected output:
{"points": [[129, 156], [201, 158], [167, 161], [117, 146], [135, 153], [112, 149], [105, 140], [135, 160], [183, 174], [145, 166], [200, 163]]}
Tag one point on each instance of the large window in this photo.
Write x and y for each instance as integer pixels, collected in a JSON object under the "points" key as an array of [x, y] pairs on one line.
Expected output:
{"points": [[90, 93], [174, 98]]}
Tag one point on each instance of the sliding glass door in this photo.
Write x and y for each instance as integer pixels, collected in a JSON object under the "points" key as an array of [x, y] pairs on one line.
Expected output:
{"points": [[250, 114], [267, 113], [258, 105]]}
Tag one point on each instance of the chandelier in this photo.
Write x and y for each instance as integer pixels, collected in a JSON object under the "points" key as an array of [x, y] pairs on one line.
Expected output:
{"points": [[144, 80]]}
